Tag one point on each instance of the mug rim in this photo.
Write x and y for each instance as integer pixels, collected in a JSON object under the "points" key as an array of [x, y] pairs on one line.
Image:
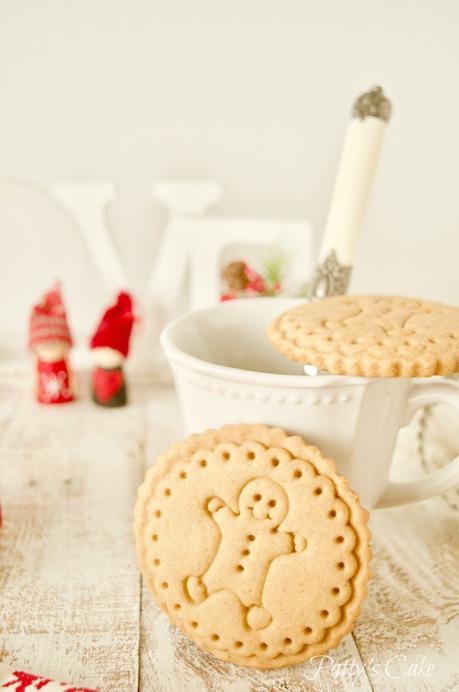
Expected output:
{"points": [[178, 356]]}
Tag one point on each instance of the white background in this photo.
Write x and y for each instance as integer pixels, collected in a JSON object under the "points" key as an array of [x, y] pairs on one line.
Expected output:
{"points": [[254, 93]]}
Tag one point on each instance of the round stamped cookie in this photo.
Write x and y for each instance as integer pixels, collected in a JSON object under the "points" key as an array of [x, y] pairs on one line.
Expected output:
{"points": [[253, 545], [373, 336]]}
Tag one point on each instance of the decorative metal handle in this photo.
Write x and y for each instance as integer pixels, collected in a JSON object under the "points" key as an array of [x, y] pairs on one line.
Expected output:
{"points": [[374, 104], [330, 278]]}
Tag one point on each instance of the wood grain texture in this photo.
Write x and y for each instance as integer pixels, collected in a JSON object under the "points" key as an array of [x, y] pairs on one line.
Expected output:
{"points": [[411, 616], [71, 602], [69, 584]]}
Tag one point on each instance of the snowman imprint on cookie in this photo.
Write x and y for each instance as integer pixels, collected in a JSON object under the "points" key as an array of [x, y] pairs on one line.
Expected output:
{"points": [[250, 541]]}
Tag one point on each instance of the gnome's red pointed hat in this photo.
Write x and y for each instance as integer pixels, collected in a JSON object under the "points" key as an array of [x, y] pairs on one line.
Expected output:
{"points": [[115, 326], [48, 321]]}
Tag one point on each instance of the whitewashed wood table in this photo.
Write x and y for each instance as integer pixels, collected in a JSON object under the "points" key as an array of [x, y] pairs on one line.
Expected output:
{"points": [[72, 603]]}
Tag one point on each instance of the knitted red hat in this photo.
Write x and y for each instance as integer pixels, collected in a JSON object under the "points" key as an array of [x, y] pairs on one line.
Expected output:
{"points": [[115, 326], [48, 321]]}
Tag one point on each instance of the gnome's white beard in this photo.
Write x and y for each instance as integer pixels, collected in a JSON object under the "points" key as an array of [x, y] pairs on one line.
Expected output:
{"points": [[52, 351], [105, 357]]}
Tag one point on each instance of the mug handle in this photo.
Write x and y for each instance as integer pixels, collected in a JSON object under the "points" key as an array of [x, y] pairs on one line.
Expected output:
{"points": [[423, 394]]}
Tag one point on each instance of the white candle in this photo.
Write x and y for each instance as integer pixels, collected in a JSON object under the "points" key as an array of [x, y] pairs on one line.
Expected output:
{"points": [[355, 175]]}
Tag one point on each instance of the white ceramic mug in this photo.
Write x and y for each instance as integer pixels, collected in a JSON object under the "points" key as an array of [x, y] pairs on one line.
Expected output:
{"points": [[226, 371]]}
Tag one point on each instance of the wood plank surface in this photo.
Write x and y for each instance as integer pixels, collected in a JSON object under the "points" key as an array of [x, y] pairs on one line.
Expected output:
{"points": [[408, 634], [71, 601], [69, 584], [409, 631]]}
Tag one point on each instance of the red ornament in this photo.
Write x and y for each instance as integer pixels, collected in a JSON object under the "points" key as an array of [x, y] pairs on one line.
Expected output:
{"points": [[48, 321], [256, 282], [19, 681], [115, 327], [107, 383], [54, 384], [113, 333], [50, 340]]}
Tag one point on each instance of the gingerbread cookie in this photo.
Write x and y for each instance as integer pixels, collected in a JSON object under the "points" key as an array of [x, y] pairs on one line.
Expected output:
{"points": [[253, 545], [373, 336]]}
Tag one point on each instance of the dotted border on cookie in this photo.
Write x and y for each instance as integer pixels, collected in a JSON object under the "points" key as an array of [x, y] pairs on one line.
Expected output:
{"points": [[297, 447]]}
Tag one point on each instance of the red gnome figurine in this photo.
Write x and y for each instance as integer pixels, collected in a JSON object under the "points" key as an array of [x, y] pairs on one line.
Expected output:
{"points": [[110, 346], [50, 340]]}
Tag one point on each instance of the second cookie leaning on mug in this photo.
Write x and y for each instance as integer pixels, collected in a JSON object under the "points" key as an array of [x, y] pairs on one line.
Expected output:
{"points": [[253, 545]]}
